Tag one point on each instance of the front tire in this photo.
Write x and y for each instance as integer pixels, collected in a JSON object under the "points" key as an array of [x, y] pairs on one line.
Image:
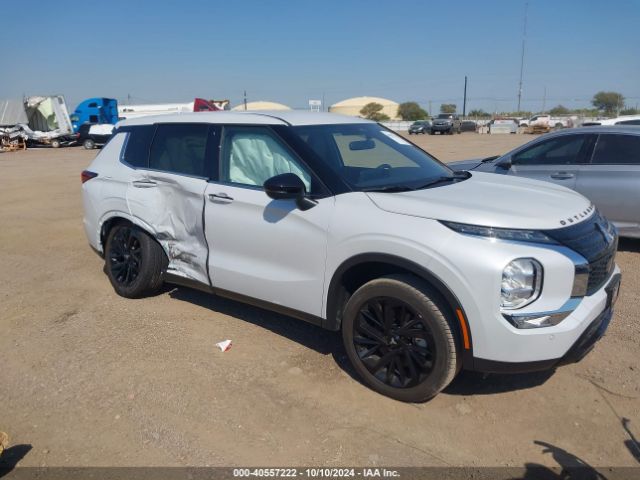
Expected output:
{"points": [[134, 262], [398, 338], [89, 144]]}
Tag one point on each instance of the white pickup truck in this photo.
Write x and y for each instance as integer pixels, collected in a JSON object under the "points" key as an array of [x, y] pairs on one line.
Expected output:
{"points": [[547, 121]]}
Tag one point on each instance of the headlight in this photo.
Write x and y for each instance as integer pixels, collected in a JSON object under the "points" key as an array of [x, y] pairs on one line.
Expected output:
{"points": [[516, 235], [521, 283]]}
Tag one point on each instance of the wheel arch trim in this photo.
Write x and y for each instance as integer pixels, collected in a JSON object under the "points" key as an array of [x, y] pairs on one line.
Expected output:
{"points": [[114, 215], [331, 319]]}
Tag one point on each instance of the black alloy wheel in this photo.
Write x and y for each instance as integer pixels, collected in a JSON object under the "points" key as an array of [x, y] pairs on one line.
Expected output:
{"points": [[397, 334], [134, 262], [125, 256], [393, 342]]}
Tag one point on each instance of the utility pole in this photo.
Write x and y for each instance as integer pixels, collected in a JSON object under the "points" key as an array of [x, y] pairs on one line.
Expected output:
{"points": [[430, 111], [245, 99], [524, 38], [464, 102], [323, 101], [544, 100]]}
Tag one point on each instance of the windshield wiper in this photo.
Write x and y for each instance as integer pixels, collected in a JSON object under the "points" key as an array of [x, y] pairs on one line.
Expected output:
{"points": [[390, 188], [461, 175]]}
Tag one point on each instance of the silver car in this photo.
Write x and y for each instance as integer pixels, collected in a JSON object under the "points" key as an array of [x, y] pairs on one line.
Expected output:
{"points": [[602, 163]]}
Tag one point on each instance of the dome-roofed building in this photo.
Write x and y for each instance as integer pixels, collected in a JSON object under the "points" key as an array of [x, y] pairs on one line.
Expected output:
{"points": [[262, 105], [352, 106]]}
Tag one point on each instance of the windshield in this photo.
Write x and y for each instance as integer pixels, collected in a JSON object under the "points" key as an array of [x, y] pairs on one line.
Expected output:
{"points": [[445, 115], [370, 157]]}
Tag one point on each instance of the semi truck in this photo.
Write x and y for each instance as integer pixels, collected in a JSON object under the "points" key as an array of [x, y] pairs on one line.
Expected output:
{"points": [[95, 111]]}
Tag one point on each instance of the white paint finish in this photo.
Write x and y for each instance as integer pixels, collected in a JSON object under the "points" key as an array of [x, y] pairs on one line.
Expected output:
{"points": [[105, 195], [472, 269], [491, 200], [267, 249], [101, 129]]}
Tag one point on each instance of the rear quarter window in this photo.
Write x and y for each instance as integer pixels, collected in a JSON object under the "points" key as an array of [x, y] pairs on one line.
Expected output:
{"points": [[617, 150], [136, 149], [180, 148]]}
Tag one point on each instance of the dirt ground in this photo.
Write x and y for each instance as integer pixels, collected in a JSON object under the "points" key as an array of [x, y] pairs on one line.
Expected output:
{"points": [[91, 379]]}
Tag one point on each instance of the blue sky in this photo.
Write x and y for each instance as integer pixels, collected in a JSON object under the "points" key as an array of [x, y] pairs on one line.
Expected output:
{"points": [[291, 51]]}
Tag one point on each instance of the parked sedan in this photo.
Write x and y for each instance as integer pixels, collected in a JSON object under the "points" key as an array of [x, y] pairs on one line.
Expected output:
{"points": [[602, 163], [420, 126]]}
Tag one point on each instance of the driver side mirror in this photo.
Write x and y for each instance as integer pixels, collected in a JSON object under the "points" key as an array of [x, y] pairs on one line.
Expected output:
{"points": [[288, 186], [505, 163]]}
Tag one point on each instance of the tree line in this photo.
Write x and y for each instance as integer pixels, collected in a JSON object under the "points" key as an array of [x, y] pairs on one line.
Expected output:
{"points": [[609, 104]]}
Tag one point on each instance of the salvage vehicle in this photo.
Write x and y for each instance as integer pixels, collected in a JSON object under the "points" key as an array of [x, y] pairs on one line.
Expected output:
{"points": [[91, 136], [41, 120], [420, 126], [446, 123], [602, 163], [343, 223]]}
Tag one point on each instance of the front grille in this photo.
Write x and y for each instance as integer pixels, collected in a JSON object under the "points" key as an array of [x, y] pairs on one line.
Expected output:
{"points": [[597, 241]]}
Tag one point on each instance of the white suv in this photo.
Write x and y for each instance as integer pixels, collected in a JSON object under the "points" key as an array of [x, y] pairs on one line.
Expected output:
{"points": [[342, 223]]}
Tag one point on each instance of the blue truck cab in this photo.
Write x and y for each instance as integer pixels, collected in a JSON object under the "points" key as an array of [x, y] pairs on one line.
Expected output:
{"points": [[95, 110]]}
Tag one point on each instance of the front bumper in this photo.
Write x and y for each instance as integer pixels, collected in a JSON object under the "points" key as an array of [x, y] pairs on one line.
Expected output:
{"points": [[585, 338], [441, 128]]}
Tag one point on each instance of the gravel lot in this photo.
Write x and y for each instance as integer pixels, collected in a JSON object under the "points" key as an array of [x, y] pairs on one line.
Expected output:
{"points": [[92, 379]]}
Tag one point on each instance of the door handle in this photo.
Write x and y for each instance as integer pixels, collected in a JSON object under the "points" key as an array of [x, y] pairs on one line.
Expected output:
{"points": [[144, 183], [562, 175], [221, 196]]}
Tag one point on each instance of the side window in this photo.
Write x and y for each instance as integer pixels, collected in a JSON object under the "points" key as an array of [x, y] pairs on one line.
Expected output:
{"points": [[180, 148], [93, 119], [629, 122], [617, 149], [136, 150], [252, 155], [564, 150]]}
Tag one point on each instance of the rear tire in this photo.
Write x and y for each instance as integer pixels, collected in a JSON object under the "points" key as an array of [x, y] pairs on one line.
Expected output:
{"points": [[134, 262], [399, 340], [89, 144], [55, 143]]}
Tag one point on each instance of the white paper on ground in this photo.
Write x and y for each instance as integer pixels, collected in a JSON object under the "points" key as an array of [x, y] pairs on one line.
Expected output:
{"points": [[224, 345]]}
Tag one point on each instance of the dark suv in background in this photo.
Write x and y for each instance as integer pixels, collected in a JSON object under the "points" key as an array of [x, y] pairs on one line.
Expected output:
{"points": [[446, 123]]}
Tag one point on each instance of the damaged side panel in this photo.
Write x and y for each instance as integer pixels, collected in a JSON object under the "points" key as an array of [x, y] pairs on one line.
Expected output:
{"points": [[173, 205]]}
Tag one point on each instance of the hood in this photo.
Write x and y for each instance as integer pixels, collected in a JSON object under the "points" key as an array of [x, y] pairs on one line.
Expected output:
{"points": [[465, 164], [490, 200]]}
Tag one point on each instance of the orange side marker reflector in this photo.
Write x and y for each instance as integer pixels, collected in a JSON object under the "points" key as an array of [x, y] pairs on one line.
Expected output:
{"points": [[465, 331]]}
